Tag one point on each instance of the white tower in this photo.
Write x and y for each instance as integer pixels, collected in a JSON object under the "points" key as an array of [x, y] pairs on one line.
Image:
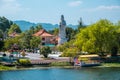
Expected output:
{"points": [[62, 32]]}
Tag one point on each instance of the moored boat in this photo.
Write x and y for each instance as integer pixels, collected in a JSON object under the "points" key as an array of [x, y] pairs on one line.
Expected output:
{"points": [[87, 64], [87, 61]]}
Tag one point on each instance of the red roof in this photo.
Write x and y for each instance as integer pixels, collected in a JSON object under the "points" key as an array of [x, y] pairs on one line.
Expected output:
{"points": [[42, 33]]}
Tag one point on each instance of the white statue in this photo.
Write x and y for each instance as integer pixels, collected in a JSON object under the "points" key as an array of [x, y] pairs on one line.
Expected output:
{"points": [[62, 32]]}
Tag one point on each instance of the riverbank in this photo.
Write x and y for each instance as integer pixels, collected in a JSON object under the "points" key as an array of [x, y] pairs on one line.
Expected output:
{"points": [[61, 65], [6, 68], [110, 65]]}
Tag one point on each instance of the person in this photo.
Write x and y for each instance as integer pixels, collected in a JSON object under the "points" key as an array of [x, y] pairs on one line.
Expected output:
{"points": [[76, 61]]}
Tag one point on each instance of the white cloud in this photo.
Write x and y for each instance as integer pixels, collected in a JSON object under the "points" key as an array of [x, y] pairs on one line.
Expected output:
{"points": [[74, 3], [10, 7], [104, 8], [108, 7]]}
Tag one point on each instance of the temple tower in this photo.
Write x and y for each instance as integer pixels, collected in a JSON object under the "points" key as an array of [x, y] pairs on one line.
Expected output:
{"points": [[62, 31]]}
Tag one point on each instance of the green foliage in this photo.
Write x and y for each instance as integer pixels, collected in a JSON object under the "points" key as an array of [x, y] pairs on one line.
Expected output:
{"points": [[55, 31], [35, 42], [24, 62], [14, 28], [25, 39], [98, 37], [68, 49], [8, 43], [5, 23], [70, 52], [65, 46], [1, 34], [80, 26], [1, 44], [70, 33], [37, 28], [32, 30], [111, 65], [5, 68], [45, 50]]}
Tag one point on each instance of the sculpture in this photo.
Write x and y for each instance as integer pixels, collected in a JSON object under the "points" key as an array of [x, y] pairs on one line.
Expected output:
{"points": [[62, 32]]}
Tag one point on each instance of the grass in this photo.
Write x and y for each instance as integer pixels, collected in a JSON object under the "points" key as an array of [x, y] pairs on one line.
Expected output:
{"points": [[110, 64], [6, 68]]}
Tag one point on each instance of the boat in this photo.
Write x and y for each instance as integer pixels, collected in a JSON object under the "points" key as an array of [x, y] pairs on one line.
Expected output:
{"points": [[87, 64], [87, 61]]}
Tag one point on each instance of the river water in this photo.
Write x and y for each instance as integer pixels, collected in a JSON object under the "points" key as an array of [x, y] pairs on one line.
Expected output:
{"points": [[62, 74]]}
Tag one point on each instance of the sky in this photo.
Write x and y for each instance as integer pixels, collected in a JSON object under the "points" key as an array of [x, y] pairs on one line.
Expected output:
{"points": [[49, 11]]}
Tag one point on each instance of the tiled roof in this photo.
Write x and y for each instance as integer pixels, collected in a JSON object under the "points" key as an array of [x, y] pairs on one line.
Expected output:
{"points": [[42, 33]]}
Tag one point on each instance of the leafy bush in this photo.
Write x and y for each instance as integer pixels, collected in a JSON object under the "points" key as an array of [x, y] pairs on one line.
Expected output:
{"points": [[24, 62], [45, 51], [5, 68]]}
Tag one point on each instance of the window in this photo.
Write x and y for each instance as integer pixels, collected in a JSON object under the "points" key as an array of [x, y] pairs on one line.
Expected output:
{"points": [[43, 39], [43, 43]]}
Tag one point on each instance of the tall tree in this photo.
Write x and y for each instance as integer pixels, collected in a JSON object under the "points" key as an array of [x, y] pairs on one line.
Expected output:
{"points": [[8, 43], [35, 42], [1, 34], [14, 28], [80, 25], [38, 27], [1, 45], [32, 30], [55, 31], [70, 33], [116, 47], [5, 23], [98, 37], [25, 39]]}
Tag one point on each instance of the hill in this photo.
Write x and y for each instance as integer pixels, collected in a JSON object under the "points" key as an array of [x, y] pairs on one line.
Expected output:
{"points": [[25, 25]]}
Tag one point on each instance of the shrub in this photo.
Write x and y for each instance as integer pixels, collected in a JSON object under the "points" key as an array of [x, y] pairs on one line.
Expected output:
{"points": [[24, 62], [45, 51]]}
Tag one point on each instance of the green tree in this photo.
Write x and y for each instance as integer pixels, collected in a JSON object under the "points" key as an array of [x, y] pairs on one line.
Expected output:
{"points": [[70, 33], [35, 42], [1, 34], [14, 28], [80, 25], [38, 27], [55, 31], [97, 38], [25, 39], [5, 23], [70, 52], [8, 43], [32, 30], [45, 51], [1, 45], [116, 47]]}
